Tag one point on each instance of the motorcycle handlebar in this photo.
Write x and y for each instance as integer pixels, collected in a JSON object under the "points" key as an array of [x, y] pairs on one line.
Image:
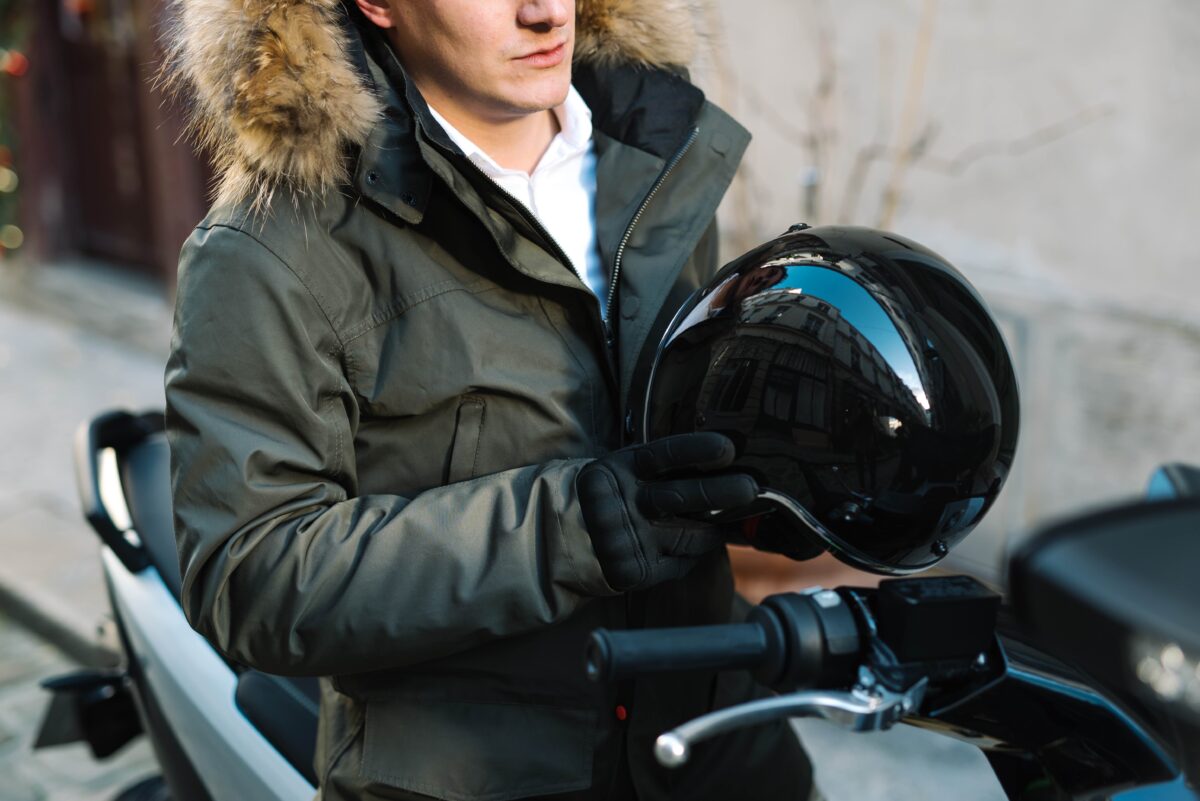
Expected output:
{"points": [[787, 642], [614, 655]]}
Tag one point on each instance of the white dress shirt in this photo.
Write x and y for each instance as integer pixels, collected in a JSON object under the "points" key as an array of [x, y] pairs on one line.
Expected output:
{"points": [[561, 191]]}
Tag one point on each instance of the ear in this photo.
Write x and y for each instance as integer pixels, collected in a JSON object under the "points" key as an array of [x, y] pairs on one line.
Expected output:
{"points": [[378, 12]]}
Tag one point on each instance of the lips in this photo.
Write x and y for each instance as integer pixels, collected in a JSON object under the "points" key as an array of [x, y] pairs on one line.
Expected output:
{"points": [[549, 57]]}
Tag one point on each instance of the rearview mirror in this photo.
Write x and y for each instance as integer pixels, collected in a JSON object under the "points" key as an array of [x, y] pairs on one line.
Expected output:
{"points": [[1116, 594]]}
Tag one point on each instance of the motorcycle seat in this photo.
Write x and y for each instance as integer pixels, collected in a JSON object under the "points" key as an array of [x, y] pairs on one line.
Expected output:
{"points": [[145, 470], [283, 709]]}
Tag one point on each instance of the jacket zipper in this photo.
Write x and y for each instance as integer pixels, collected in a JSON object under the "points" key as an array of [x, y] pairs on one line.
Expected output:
{"points": [[662, 178], [635, 610]]}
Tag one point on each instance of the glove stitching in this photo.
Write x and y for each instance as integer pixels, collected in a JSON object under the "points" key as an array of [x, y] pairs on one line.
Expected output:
{"points": [[630, 531]]}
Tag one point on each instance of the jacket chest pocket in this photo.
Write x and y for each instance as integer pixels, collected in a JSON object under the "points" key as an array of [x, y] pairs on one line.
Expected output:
{"points": [[468, 430], [470, 383]]}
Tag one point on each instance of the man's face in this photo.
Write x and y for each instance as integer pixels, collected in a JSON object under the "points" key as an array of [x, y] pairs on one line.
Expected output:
{"points": [[494, 59]]}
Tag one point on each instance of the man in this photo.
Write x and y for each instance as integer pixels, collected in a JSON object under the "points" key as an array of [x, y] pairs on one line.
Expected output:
{"points": [[410, 339]]}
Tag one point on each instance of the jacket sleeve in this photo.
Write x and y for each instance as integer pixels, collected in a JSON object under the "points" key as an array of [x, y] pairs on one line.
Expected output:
{"points": [[283, 568]]}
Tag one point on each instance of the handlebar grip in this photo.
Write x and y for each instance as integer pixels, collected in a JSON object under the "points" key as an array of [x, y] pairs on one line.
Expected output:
{"points": [[613, 655]]}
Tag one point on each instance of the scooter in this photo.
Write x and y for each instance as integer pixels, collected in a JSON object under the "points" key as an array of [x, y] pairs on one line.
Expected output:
{"points": [[218, 729], [1045, 687]]}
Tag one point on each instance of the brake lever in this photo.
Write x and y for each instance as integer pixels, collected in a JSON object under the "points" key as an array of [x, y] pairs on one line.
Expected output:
{"points": [[868, 706]]}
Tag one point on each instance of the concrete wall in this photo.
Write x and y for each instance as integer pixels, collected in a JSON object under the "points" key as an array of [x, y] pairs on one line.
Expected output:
{"points": [[1050, 150]]}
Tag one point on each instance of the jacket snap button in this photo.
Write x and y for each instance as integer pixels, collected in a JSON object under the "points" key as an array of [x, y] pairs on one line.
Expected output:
{"points": [[372, 177], [629, 308]]}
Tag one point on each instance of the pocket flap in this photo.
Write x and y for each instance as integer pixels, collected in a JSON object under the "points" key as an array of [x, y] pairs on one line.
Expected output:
{"points": [[469, 751], [468, 428]]}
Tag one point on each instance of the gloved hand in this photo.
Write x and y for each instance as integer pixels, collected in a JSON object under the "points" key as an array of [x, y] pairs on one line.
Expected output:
{"points": [[630, 500]]}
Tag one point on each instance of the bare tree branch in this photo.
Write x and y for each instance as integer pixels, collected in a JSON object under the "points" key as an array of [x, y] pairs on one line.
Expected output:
{"points": [[908, 119], [816, 130], [863, 161], [876, 151], [769, 112], [825, 115], [1021, 145]]}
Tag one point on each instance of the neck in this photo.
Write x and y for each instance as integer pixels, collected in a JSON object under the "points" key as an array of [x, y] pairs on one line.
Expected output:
{"points": [[515, 143]]}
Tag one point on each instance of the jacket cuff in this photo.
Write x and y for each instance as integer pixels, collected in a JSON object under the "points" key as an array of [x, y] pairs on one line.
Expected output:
{"points": [[576, 543]]}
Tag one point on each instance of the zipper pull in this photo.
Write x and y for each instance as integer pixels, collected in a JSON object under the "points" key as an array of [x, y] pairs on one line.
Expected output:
{"points": [[610, 337]]}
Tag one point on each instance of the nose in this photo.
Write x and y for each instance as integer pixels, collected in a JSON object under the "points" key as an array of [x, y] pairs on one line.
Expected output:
{"points": [[546, 14]]}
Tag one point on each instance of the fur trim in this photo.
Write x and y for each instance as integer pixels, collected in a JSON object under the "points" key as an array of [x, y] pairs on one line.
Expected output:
{"points": [[654, 32], [273, 95]]}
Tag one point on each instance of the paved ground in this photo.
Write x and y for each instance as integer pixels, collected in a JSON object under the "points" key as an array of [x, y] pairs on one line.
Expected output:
{"points": [[74, 341], [903, 764], [64, 773]]}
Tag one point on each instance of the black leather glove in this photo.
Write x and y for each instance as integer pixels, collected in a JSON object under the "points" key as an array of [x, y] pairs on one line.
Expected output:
{"points": [[631, 500]]}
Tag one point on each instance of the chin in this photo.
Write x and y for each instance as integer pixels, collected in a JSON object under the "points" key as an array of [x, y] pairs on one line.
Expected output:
{"points": [[544, 93], [559, 95]]}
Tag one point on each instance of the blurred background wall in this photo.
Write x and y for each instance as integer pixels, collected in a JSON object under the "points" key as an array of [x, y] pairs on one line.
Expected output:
{"points": [[1047, 149], [1051, 151], [1024, 136]]}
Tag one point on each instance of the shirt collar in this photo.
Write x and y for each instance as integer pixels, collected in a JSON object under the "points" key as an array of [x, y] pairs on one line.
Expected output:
{"points": [[574, 121]]}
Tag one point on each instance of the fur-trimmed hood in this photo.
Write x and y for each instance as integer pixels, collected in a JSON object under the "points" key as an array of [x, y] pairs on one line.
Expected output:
{"points": [[274, 95]]}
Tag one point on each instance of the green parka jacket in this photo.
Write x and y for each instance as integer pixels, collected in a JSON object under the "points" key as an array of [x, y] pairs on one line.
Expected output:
{"points": [[383, 381]]}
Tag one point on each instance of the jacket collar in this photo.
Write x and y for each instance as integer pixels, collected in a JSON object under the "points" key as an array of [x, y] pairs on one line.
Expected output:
{"points": [[278, 91], [651, 110], [390, 169]]}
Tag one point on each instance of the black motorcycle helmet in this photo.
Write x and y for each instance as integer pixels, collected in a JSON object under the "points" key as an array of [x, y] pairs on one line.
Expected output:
{"points": [[865, 385]]}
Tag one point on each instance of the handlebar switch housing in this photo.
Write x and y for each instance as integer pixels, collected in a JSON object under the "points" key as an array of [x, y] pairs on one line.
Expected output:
{"points": [[934, 619], [942, 627], [821, 636]]}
